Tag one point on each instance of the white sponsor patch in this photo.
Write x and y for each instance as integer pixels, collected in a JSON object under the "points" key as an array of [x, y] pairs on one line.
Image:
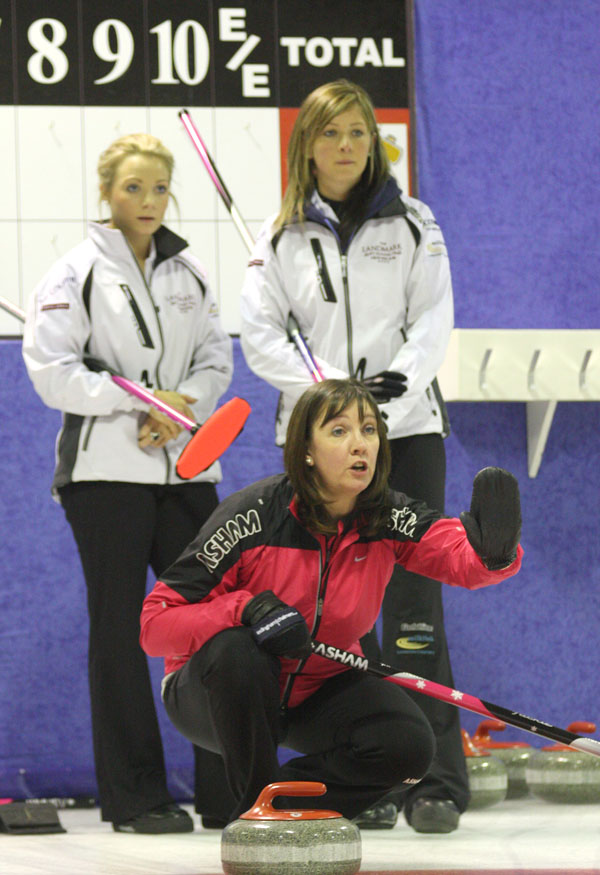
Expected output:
{"points": [[227, 536], [403, 520]]}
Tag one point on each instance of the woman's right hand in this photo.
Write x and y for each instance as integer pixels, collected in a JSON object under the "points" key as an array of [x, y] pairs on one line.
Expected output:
{"points": [[277, 626], [178, 401]]}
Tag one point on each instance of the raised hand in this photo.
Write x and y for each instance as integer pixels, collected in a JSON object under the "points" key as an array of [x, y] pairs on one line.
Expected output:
{"points": [[493, 523]]}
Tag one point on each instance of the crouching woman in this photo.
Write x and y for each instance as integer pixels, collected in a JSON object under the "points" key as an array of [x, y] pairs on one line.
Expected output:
{"points": [[307, 555]]}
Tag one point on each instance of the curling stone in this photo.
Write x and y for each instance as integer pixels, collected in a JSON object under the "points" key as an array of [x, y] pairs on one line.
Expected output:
{"points": [[269, 841], [558, 773], [514, 754], [488, 779]]}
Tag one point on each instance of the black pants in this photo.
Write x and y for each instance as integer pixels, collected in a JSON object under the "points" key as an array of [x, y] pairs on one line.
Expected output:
{"points": [[413, 634], [121, 529], [359, 735]]}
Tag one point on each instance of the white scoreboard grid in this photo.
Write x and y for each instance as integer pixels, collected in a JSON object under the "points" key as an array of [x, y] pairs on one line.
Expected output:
{"points": [[74, 76]]}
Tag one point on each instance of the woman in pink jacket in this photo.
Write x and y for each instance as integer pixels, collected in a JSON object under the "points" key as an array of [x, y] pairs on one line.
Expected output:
{"points": [[302, 555]]}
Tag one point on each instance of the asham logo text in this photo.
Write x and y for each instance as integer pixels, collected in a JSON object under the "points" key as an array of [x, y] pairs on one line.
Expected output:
{"points": [[343, 656], [227, 536]]}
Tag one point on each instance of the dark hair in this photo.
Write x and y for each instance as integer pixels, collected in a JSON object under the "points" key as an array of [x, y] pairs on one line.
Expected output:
{"points": [[322, 402]]}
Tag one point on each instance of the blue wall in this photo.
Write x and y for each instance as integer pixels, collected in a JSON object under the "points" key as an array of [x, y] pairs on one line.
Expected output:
{"points": [[508, 146], [508, 133]]}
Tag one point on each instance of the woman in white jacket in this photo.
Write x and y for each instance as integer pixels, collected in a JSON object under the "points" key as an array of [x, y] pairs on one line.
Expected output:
{"points": [[133, 296], [364, 270]]}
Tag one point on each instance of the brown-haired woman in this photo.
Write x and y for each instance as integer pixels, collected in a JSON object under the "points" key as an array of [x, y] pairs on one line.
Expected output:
{"points": [[364, 270], [308, 554]]}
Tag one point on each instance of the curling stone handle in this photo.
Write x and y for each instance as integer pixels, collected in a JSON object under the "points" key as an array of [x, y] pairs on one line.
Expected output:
{"points": [[578, 726], [286, 788], [482, 733], [581, 726], [263, 809], [263, 805], [469, 749]]}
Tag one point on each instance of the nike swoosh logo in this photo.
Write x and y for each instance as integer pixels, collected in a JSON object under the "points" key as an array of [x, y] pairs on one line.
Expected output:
{"points": [[359, 558]]}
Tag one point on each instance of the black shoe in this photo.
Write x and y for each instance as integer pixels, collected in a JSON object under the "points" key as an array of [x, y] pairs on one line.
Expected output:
{"points": [[165, 818], [382, 816], [434, 815]]}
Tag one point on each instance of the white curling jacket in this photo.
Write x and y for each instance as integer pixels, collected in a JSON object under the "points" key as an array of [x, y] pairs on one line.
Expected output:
{"points": [[387, 299], [161, 330]]}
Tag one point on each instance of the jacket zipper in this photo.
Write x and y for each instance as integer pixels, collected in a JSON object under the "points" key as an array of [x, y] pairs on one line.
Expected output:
{"points": [[324, 569], [158, 325], [162, 351], [344, 265], [344, 259]]}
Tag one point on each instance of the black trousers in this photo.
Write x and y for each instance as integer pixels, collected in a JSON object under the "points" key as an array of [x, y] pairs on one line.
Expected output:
{"points": [[359, 735], [121, 529], [413, 634]]}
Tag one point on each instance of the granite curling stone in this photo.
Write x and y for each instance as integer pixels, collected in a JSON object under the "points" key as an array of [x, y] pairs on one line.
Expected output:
{"points": [[559, 773], [488, 778], [514, 754], [269, 841]]}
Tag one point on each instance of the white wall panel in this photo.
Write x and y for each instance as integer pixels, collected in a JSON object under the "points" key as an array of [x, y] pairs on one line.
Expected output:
{"points": [[50, 162], [8, 166], [248, 157]]}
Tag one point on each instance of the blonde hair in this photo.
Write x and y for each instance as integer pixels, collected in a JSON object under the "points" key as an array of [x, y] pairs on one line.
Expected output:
{"points": [[317, 110], [131, 144]]}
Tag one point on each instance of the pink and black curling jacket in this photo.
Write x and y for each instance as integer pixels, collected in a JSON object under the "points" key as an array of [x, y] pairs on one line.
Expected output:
{"points": [[255, 541]]}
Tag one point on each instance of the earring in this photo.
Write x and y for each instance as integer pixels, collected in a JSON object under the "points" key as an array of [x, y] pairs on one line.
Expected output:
{"points": [[309, 460]]}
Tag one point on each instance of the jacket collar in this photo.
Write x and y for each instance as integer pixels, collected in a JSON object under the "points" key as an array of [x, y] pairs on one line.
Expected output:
{"points": [[112, 242], [349, 527], [385, 202]]}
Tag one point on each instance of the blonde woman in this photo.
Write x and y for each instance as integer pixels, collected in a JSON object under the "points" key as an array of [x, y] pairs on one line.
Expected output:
{"points": [[363, 268], [133, 295]]}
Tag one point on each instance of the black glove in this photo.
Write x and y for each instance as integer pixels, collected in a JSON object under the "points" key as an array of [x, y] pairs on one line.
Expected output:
{"points": [[277, 627], [386, 385], [493, 525], [94, 364]]}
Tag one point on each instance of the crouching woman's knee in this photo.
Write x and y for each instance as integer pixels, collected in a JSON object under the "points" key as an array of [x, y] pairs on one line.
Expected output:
{"points": [[407, 751], [234, 660], [228, 673]]}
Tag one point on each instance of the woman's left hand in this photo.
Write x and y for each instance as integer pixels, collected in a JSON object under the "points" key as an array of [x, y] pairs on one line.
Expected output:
{"points": [[493, 523], [158, 429], [154, 433]]}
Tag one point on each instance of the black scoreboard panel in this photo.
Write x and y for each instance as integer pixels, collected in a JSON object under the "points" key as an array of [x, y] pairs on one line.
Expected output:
{"points": [[199, 52]]}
